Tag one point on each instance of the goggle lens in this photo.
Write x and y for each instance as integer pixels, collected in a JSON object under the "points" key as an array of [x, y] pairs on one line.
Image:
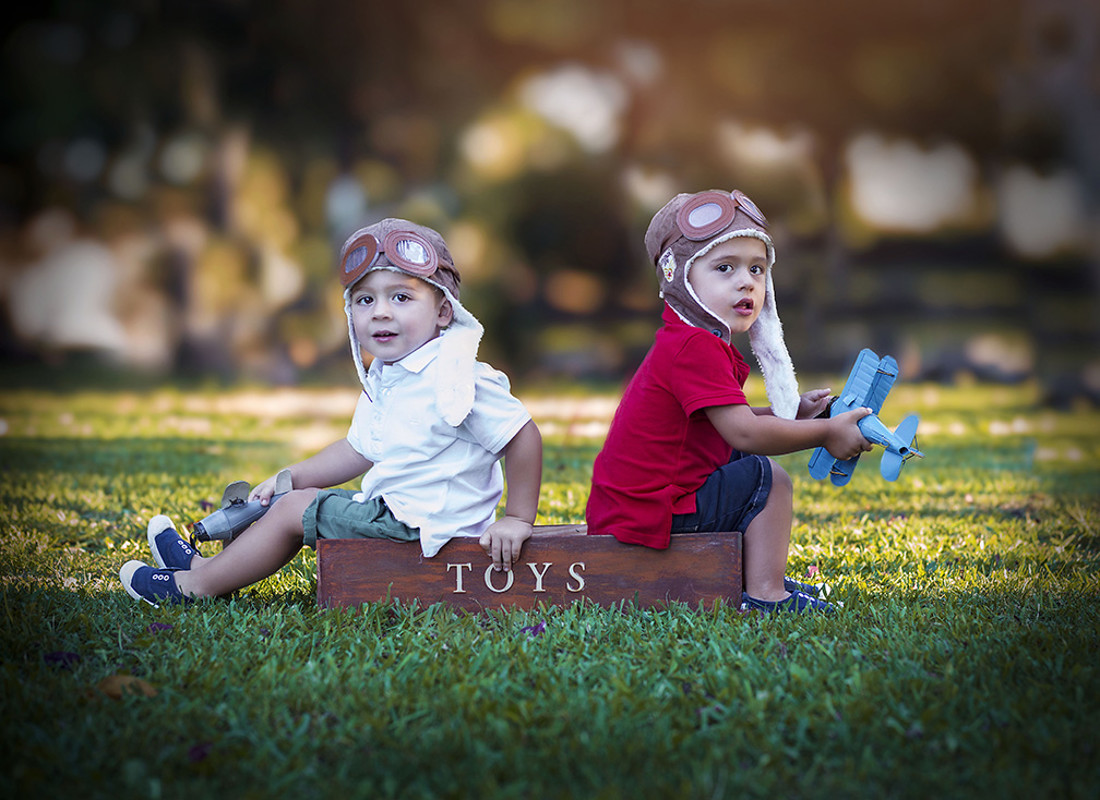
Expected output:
{"points": [[705, 215], [411, 252], [710, 212], [360, 258], [750, 209]]}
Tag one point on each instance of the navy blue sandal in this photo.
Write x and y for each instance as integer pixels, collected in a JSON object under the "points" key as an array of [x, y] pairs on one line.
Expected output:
{"points": [[152, 585], [170, 550], [812, 589], [798, 603]]}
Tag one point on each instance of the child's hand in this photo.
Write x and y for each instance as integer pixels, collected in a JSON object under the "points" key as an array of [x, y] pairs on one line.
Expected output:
{"points": [[812, 403], [504, 540], [845, 440], [264, 491]]}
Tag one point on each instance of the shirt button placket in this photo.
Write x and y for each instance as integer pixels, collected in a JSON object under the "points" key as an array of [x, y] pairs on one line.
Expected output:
{"points": [[377, 424]]}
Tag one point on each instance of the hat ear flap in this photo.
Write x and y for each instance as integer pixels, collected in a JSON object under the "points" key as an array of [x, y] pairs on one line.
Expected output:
{"points": [[356, 351], [454, 390], [770, 349]]}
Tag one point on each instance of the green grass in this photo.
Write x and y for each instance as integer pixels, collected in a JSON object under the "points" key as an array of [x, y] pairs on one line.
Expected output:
{"points": [[961, 664]]}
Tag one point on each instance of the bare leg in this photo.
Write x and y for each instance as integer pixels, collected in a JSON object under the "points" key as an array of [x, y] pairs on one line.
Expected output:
{"points": [[263, 549], [767, 540]]}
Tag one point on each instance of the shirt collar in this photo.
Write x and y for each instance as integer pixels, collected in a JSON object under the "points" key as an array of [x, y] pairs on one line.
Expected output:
{"points": [[672, 319], [414, 363]]}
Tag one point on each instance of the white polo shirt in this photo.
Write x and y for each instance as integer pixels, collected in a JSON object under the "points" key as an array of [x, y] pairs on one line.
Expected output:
{"points": [[443, 480]]}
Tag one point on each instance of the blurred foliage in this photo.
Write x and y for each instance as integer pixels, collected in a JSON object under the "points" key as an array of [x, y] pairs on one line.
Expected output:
{"points": [[219, 151]]}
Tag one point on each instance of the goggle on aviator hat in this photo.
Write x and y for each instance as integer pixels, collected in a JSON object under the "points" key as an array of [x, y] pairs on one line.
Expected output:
{"points": [[419, 251], [688, 226], [707, 213], [400, 245]]}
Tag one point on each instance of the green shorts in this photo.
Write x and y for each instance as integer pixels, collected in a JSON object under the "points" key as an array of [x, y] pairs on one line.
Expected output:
{"points": [[333, 514]]}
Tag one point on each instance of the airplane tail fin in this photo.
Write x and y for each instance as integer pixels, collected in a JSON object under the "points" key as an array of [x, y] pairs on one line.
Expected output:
{"points": [[892, 458], [907, 432], [891, 464]]}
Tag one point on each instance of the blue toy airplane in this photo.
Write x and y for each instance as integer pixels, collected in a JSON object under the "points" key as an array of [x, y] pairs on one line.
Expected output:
{"points": [[868, 384]]}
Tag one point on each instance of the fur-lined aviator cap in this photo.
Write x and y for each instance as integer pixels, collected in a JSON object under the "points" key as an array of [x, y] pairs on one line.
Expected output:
{"points": [[690, 225]]}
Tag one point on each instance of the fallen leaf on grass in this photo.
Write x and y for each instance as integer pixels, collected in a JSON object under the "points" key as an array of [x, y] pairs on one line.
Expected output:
{"points": [[115, 686], [534, 630], [199, 752]]}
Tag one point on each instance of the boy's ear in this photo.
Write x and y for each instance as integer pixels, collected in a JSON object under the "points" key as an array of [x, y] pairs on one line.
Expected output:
{"points": [[446, 313]]}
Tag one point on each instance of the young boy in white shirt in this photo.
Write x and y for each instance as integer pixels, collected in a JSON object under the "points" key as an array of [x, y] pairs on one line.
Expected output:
{"points": [[428, 432]]}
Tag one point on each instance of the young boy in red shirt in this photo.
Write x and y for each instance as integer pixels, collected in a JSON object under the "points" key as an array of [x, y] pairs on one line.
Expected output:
{"points": [[685, 451]]}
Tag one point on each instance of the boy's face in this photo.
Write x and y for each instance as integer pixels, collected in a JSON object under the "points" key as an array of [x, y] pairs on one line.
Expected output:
{"points": [[394, 314], [731, 281]]}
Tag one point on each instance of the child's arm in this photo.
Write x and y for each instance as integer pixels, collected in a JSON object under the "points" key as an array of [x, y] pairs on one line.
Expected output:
{"points": [[810, 405], [504, 539], [768, 435], [337, 463]]}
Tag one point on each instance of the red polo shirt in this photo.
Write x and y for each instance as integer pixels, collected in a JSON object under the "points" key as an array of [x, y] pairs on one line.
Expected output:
{"points": [[661, 447]]}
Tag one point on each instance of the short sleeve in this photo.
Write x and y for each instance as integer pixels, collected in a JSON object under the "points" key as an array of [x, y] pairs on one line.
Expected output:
{"points": [[703, 372], [363, 410], [496, 416]]}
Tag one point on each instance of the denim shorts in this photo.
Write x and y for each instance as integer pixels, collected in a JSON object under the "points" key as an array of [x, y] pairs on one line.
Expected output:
{"points": [[333, 514], [730, 498]]}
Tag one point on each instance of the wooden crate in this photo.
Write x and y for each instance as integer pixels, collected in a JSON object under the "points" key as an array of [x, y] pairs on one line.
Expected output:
{"points": [[560, 564]]}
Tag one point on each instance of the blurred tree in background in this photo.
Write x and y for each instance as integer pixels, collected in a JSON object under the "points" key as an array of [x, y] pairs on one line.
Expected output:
{"points": [[175, 176]]}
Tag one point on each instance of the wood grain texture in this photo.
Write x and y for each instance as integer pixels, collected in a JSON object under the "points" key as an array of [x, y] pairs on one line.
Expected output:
{"points": [[560, 564]]}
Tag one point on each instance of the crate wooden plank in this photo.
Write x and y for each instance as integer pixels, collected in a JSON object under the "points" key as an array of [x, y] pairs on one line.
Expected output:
{"points": [[559, 565]]}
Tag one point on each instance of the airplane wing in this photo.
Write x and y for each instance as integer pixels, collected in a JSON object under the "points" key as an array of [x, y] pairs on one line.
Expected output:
{"points": [[886, 372], [236, 492], [841, 471], [823, 465], [868, 383], [820, 463]]}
